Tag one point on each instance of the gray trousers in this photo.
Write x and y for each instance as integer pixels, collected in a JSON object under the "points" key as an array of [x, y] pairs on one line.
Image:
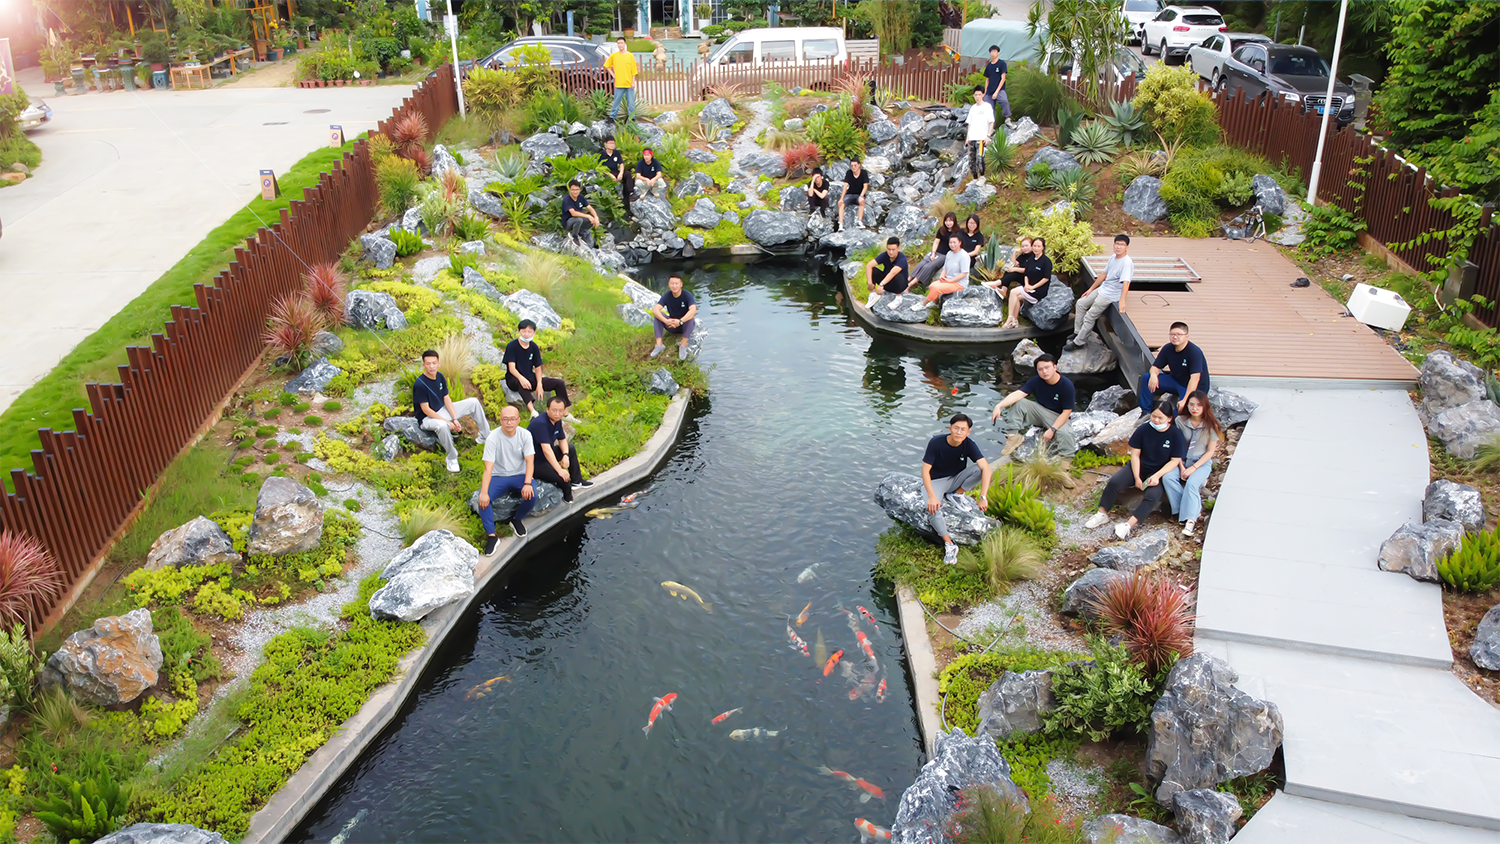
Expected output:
{"points": [[1087, 312], [966, 479], [1026, 413], [464, 407]]}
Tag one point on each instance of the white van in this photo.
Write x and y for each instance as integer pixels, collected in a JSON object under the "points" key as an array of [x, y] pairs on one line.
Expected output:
{"points": [[784, 54]]}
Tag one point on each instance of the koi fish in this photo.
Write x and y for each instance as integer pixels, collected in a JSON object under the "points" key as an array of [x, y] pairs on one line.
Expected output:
{"points": [[484, 688], [870, 832], [853, 620], [755, 733], [880, 691], [635, 497], [808, 573], [864, 686], [677, 590], [870, 618], [870, 790], [663, 704], [609, 512], [802, 616], [832, 661], [820, 648], [843, 775], [721, 716], [797, 643], [864, 644], [343, 835]]}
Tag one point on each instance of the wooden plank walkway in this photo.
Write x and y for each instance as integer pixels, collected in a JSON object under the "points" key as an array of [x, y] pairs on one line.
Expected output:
{"points": [[1249, 320]]}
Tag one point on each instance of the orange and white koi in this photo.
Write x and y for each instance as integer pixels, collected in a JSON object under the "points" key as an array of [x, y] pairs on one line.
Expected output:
{"points": [[663, 704], [843, 775], [832, 661], [797, 643], [870, 618], [853, 620], [880, 691], [870, 790], [870, 832], [802, 616], [721, 716], [864, 644], [755, 733], [484, 688]]}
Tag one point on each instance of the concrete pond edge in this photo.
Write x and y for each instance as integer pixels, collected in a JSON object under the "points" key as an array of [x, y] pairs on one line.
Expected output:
{"points": [[289, 805], [923, 662]]}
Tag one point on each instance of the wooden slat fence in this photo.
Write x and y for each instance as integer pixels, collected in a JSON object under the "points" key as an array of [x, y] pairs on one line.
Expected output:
{"points": [[87, 483]]}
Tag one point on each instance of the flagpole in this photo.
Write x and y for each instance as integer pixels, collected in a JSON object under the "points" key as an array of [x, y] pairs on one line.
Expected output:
{"points": [[1333, 75]]}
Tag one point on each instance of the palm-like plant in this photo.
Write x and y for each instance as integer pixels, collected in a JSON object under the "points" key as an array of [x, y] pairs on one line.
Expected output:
{"points": [[1129, 125], [28, 576], [519, 218], [1094, 143], [325, 285], [1076, 185], [999, 156], [290, 330]]}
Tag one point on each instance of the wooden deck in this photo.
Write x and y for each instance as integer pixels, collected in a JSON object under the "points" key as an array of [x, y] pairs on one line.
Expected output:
{"points": [[1251, 323]]}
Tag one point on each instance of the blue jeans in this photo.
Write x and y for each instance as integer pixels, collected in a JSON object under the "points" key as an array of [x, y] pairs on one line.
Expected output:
{"points": [[626, 94], [1186, 496], [507, 485], [1164, 382]]}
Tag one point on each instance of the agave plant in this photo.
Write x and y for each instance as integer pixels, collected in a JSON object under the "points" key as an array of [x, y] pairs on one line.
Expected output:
{"points": [[1128, 124], [734, 92], [991, 261], [1076, 185], [1069, 117], [325, 285], [1137, 164], [29, 577], [1094, 143], [999, 156], [781, 140], [1039, 177], [511, 163]]}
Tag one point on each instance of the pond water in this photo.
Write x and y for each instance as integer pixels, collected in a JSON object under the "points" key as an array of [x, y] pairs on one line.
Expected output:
{"points": [[774, 473]]}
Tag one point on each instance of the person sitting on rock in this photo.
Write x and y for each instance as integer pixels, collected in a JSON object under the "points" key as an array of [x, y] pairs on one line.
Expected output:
{"points": [[946, 471], [973, 238], [509, 465], [614, 164], [955, 274], [578, 217], [674, 313], [933, 261], [559, 465], [981, 126], [817, 194], [1184, 485], [890, 267], [1014, 270], [648, 175], [523, 368], [1109, 288], [1046, 401], [1180, 368], [1032, 288], [1156, 449], [439, 413], [856, 186]]}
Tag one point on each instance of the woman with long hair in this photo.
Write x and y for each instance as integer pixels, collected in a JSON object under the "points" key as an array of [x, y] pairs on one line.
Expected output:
{"points": [[1032, 287], [928, 266], [1156, 450], [1184, 485]]}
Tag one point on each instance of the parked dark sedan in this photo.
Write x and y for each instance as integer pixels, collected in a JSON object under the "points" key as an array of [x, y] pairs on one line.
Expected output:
{"points": [[1295, 74]]}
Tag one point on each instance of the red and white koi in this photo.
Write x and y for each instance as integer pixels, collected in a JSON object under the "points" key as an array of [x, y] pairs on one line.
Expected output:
{"points": [[719, 719], [797, 643], [663, 704], [870, 618], [843, 775], [880, 691], [870, 832], [802, 616], [870, 790], [832, 661]]}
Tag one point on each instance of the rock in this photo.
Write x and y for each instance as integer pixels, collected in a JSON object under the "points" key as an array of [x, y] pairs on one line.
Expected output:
{"points": [[795, 199], [704, 214], [948, 149], [378, 250], [908, 308], [161, 833], [1051, 313], [474, 280], [326, 344], [411, 431], [1090, 422], [910, 223], [697, 240], [368, 309], [541, 147], [1205, 731], [1116, 432], [13, 178], [1143, 199], [1268, 194], [653, 212], [934, 129], [633, 316], [1117, 399], [288, 518], [442, 161], [1024, 130], [876, 164], [1093, 356], [1230, 408], [1486, 648], [911, 121], [435, 571], [110, 663], [773, 228], [852, 239], [793, 124], [1055, 159], [1205, 816], [672, 242], [904, 499], [411, 220], [1124, 829], [718, 113], [1142, 550], [1462, 430], [389, 448], [527, 304], [974, 306], [486, 203], [200, 542], [548, 497], [977, 192], [686, 188], [925, 164], [701, 156], [19, 167], [472, 247], [1015, 703], [640, 295], [1454, 502], [1415, 549], [882, 131], [759, 163], [1026, 353], [959, 762], [313, 379], [662, 383], [1448, 382], [1079, 597]]}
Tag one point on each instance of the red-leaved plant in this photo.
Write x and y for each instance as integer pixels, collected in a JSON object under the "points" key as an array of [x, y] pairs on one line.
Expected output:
{"points": [[290, 330], [408, 133], [419, 157], [28, 576], [1151, 615], [801, 159], [325, 287]]}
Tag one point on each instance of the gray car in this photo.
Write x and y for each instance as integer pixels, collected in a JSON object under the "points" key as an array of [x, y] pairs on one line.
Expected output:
{"points": [[1295, 74]]}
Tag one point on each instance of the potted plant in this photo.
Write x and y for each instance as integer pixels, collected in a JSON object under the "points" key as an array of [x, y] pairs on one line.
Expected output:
{"points": [[705, 12], [629, 32], [156, 52]]}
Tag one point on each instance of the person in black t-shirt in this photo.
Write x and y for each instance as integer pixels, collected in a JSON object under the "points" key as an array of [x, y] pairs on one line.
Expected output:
{"points": [[946, 471], [1156, 448], [556, 463], [437, 412], [891, 270], [973, 238], [674, 313], [994, 82], [1046, 401], [1036, 275], [578, 217], [1179, 368], [856, 185], [817, 194], [523, 368], [648, 175], [614, 162]]}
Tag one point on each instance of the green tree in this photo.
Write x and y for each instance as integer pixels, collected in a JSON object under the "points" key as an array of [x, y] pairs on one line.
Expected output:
{"points": [[1088, 32], [1445, 64], [1366, 31], [891, 21]]}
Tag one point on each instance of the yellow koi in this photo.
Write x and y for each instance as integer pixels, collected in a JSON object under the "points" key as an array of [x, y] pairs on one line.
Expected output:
{"points": [[677, 590], [484, 688]]}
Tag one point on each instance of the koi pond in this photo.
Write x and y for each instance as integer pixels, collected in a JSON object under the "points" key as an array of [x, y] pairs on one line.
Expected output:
{"points": [[773, 475]]}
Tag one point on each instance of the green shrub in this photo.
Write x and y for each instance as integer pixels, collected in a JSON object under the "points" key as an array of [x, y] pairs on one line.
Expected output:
{"points": [[1069, 119], [963, 680], [1128, 124], [534, 69], [1170, 100], [91, 810], [265, 431], [1000, 156], [1034, 93], [1329, 230], [289, 399], [910, 559], [333, 406], [836, 132], [1075, 185], [1068, 240], [18, 667], [492, 92], [1201, 181], [312, 421], [550, 109], [271, 458], [469, 227], [422, 519], [1039, 177], [1107, 696], [987, 817], [1475, 566], [352, 505], [1016, 502], [396, 182], [712, 30], [407, 243]]}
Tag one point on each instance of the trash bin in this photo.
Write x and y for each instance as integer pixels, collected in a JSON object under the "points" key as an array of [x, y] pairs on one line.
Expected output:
{"points": [[1363, 92]]}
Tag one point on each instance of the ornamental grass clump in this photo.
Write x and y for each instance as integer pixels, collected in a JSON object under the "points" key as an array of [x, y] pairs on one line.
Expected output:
{"points": [[423, 519], [985, 816], [1475, 566], [1151, 615], [1004, 556], [543, 272], [409, 134], [455, 358], [290, 330], [1042, 472], [29, 577], [396, 184], [325, 286]]}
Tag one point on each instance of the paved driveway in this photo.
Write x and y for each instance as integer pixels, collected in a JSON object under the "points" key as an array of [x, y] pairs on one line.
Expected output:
{"points": [[128, 184]]}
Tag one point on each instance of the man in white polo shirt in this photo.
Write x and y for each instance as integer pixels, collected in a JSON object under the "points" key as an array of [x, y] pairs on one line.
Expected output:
{"points": [[981, 123]]}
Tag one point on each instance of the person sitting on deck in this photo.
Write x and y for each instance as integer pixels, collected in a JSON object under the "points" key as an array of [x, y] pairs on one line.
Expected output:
{"points": [[817, 194], [523, 368], [933, 260], [1180, 369], [559, 465], [1156, 450], [973, 238], [648, 175], [1046, 400], [439, 413], [1109, 288], [1037, 275], [856, 186], [578, 217], [955, 274], [1204, 434], [1014, 271], [890, 267], [946, 471], [674, 313], [509, 462]]}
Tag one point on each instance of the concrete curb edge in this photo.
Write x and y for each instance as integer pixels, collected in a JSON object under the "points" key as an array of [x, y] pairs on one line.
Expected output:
{"points": [[923, 665]]}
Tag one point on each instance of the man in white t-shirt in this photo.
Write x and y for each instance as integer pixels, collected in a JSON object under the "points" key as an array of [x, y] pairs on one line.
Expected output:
{"points": [[1108, 289], [509, 467], [981, 126]]}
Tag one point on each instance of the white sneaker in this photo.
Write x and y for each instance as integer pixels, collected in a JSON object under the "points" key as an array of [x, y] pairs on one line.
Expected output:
{"points": [[452, 464], [480, 440], [1122, 530], [859, 224], [1098, 520], [950, 553], [1187, 527]]}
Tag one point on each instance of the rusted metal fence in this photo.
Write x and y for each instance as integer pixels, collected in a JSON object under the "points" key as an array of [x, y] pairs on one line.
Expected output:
{"points": [[87, 483]]}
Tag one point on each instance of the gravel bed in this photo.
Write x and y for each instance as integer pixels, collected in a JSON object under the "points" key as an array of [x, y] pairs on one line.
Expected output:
{"points": [[1074, 787], [760, 120], [1027, 614]]}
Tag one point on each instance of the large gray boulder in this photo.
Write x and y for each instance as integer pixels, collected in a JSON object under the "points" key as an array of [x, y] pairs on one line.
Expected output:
{"points": [[882, 130], [369, 309], [1053, 158], [1463, 429], [688, 187], [1015, 704], [1486, 648], [934, 129], [313, 379], [1117, 399], [1416, 548], [653, 212], [1447, 381], [661, 382], [958, 763], [1230, 408], [1052, 311], [288, 518], [326, 344], [540, 147], [1205, 816], [411, 431], [1116, 433], [435, 571], [977, 192], [1082, 594], [1454, 502], [773, 228], [794, 199], [1139, 551], [759, 163], [1024, 130], [703, 215], [908, 308], [1124, 829], [947, 149], [976, 306], [1268, 194], [1089, 423], [161, 833], [474, 280], [1143, 199], [110, 663], [442, 161], [1093, 356], [904, 499], [200, 542], [1025, 353], [632, 315], [852, 240], [911, 224], [718, 113], [389, 448], [378, 250], [486, 203], [1205, 731], [640, 295], [528, 304], [547, 497]]}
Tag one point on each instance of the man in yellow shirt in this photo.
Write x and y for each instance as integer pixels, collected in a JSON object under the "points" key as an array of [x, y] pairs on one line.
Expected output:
{"points": [[623, 68]]}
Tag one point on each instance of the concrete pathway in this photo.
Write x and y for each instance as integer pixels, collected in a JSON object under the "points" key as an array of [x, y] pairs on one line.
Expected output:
{"points": [[129, 182], [1383, 743]]}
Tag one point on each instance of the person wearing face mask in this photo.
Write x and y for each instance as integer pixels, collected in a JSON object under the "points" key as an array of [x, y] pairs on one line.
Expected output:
{"points": [[1156, 449], [1035, 277]]}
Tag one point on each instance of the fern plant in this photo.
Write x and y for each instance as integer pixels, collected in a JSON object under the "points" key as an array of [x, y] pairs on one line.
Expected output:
{"points": [[407, 243], [1094, 143], [1475, 566]]}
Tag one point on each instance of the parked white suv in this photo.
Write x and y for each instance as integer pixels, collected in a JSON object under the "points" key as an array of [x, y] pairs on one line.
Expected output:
{"points": [[1136, 13], [1178, 28]]}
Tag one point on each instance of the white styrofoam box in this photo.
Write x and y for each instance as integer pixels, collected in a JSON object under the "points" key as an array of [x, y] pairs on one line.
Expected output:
{"points": [[1378, 307]]}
